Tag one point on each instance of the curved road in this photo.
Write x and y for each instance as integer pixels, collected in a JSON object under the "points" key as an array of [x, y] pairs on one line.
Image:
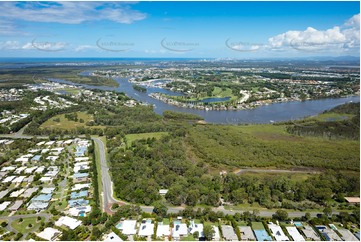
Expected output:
{"points": [[108, 198]]}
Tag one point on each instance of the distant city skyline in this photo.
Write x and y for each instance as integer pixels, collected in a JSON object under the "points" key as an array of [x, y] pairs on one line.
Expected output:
{"points": [[179, 29]]}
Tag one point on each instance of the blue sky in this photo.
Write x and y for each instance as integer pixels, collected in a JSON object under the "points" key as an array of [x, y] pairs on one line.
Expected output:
{"points": [[179, 29]]}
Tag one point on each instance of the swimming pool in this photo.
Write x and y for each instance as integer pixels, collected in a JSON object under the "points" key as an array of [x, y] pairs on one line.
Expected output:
{"points": [[119, 225], [298, 224]]}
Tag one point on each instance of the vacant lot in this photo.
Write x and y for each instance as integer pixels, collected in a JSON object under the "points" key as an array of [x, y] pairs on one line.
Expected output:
{"points": [[60, 122]]}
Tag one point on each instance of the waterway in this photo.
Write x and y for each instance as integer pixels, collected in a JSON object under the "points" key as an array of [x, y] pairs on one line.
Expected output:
{"points": [[264, 114]]}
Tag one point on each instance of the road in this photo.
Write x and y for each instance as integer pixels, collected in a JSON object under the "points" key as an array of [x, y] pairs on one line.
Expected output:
{"points": [[107, 185], [108, 198]]}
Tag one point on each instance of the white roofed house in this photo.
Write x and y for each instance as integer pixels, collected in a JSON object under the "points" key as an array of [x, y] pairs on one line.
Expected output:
{"points": [[179, 230], [68, 221], [193, 227], [8, 179], [16, 205], [163, 230], [49, 234], [129, 227], [293, 232], [4, 205], [17, 193], [146, 229], [277, 232], [112, 237], [18, 179]]}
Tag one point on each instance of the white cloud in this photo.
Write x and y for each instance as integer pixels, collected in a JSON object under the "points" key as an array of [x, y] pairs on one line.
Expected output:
{"points": [[70, 12], [10, 45], [81, 48], [334, 39]]}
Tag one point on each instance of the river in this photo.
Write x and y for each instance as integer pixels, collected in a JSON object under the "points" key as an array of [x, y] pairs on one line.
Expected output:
{"points": [[274, 112]]}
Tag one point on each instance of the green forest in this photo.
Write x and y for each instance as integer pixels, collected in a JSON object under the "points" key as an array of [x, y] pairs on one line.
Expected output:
{"points": [[188, 160]]}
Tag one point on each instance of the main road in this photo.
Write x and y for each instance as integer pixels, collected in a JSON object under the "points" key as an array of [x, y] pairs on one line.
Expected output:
{"points": [[108, 199]]}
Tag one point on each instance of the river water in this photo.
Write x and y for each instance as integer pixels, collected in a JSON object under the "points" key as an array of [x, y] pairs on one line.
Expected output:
{"points": [[274, 112]]}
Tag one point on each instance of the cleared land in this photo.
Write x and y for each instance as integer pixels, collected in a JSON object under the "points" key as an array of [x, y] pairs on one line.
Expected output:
{"points": [[64, 123], [132, 137]]}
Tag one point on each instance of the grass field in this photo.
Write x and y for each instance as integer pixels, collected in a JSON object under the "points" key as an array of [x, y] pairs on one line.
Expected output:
{"points": [[23, 226], [189, 238], [257, 225], [242, 223], [131, 137], [331, 117], [64, 123]]}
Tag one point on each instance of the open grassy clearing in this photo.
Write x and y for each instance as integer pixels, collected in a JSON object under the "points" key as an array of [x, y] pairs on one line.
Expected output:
{"points": [[257, 225], [64, 123], [23, 227], [132, 137]]}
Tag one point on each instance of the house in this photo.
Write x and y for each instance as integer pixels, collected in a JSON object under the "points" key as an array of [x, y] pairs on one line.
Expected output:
{"points": [[19, 170], [4, 205], [79, 211], [128, 227], [310, 233], [81, 159], [40, 169], [36, 158], [216, 235], [33, 151], [28, 192], [80, 186], [30, 170], [68, 142], [163, 191], [68, 221], [52, 158], [80, 175], [78, 202], [46, 179], [40, 143], [74, 195], [293, 232], [112, 237], [179, 230], [329, 234], [3, 193], [228, 233], [50, 143], [246, 233], [49, 234], [16, 205], [42, 198], [8, 179], [17, 193], [44, 151], [48, 190], [277, 232], [22, 159], [163, 230], [29, 179], [18, 179], [80, 151], [346, 235], [146, 229], [38, 206], [352, 200], [193, 227], [8, 168]]}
